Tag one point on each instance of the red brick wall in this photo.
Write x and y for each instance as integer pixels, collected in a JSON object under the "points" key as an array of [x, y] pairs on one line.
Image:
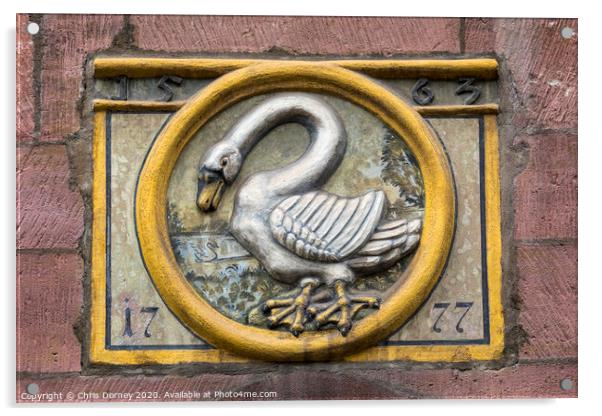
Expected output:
{"points": [[539, 176]]}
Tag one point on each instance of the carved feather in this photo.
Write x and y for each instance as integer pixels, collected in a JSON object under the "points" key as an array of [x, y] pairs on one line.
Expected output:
{"points": [[391, 241], [325, 227]]}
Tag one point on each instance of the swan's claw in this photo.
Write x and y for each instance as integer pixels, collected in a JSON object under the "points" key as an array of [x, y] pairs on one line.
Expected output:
{"points": [[291, 312], [348, 306], [309, 304]]}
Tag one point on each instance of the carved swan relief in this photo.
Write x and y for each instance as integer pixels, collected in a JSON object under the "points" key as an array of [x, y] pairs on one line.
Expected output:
{"points": [[302, 235]]}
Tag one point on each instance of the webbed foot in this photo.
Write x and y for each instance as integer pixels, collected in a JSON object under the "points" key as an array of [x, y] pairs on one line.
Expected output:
{"points": [[344, 308]]}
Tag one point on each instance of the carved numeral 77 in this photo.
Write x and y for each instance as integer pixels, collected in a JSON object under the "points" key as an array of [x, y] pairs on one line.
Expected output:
{"points": [[443, 306], [466, 305]]}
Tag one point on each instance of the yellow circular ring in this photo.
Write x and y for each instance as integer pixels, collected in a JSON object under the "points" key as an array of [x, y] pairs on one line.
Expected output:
{"points": [[404, 297]]}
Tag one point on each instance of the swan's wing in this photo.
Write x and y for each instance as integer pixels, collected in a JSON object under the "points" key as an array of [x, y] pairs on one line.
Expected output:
{"points": [[325, 227]]}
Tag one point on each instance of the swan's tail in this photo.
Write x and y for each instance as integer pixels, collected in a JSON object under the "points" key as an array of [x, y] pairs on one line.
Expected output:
{"points": [[391, 241]]}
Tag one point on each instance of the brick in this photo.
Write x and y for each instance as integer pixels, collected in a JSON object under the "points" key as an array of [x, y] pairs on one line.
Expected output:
{"points": [[287, 386], [548, 292], [49, 213], [311, 385], [67, 40], [542, 65], [49, 299], [24, 79], [296, 35], [118, 384], [545, 194], [523, 380], [519, 381]]}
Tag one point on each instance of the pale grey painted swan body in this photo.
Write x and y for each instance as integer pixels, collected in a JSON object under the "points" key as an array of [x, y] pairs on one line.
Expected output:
{"points": [[301, 234]]}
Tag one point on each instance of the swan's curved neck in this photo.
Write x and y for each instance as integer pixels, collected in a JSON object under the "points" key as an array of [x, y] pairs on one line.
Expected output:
{"points": [[328, 140]]}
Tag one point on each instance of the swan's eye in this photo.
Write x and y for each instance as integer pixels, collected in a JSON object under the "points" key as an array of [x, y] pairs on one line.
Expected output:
{"points": [[224, 161]]}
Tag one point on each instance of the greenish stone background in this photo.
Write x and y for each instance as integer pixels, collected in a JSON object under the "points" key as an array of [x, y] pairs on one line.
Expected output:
{"points": [[235, 283]]}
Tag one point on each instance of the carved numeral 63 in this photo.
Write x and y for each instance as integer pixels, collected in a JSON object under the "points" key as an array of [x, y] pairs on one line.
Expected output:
{"points": [[466, 86], [421, 93]]}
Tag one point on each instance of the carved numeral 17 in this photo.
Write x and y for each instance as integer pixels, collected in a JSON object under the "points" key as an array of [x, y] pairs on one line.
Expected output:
{"points": [[127, 332], [152, 310]]}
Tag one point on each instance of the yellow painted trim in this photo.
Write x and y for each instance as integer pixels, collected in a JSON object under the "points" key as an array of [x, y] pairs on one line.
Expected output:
{"points": [[457, 110], [119, 105], [403, 298], [426, 111], [165, 357], [443, 69], [494, 233], [439, 69], [98, 288]]}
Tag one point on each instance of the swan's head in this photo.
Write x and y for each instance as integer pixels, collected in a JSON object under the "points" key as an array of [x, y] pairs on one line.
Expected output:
{"points": [[219, 168]]}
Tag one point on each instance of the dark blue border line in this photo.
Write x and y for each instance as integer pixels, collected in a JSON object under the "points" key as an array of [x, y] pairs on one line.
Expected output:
{"points": [[108, 295], [485, 291], [485, 274]]}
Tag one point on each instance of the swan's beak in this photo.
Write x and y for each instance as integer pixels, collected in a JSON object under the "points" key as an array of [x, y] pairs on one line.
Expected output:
{"points": [[211, 188]]}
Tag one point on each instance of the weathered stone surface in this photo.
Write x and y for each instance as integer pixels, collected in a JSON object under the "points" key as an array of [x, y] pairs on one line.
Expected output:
{"points": [[49, 213], [67, 40], [25, 93], [49, 298], [545, 193], [542, 64], [548, 293], [532, 380], [298, 35]]}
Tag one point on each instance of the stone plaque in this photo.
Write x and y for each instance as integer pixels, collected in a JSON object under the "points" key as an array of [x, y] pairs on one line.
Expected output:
{"points": [[219, 185]]}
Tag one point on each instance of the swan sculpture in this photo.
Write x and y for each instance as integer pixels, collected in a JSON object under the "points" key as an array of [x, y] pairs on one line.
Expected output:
{"points": [[302, 235]]}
